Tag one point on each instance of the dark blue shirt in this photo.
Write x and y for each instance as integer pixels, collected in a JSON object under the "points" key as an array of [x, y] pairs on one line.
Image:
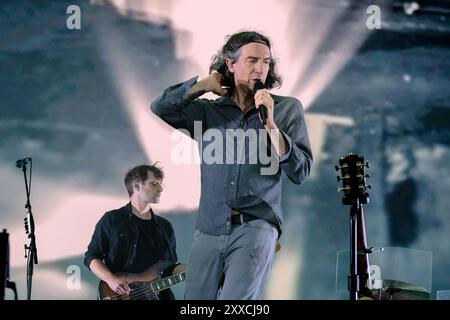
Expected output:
{"points": [[237, 184]]}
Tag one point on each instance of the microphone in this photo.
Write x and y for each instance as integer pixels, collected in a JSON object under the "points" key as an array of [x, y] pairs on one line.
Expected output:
{"points": [[262, 108], [21, 162]]}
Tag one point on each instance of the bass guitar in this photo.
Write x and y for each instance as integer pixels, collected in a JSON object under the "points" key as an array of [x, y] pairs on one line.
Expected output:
{"points": [[142, 290]]}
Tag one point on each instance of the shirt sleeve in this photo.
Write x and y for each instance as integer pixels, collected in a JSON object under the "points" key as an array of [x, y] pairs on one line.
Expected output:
{"points": [[178, 108], [296, 162], [99, 246]]}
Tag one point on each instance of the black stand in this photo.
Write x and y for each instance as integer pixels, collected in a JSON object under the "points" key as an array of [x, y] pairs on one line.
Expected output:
{"points": [[353, 278], [30, 250], [4, 266], [3, 262]]}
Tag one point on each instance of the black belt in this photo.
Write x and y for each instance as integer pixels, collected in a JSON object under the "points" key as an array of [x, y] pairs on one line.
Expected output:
{"points": [[241, 218]]}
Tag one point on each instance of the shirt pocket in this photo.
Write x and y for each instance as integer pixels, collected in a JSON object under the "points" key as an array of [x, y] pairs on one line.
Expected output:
{"points": [[121, 240]]}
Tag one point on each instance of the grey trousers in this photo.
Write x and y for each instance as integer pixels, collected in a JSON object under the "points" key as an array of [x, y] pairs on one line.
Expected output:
{"points": [[234, 266]]}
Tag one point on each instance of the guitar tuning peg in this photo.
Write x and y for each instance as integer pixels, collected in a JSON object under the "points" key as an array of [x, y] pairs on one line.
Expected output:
{"points": [[341, 166], [369, 186], [339, 189], [367, 164], [367, 175], [338, 178]]}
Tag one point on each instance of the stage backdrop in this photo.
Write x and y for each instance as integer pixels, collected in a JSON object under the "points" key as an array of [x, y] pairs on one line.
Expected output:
{"points": [[75, 87]]}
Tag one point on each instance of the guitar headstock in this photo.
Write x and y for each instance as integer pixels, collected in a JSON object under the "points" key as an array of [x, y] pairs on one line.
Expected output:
{"points": [[353, 178]]}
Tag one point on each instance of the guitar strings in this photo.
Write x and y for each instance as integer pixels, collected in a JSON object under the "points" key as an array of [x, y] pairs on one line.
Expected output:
{"points": [[142, 291], [134, 294]]}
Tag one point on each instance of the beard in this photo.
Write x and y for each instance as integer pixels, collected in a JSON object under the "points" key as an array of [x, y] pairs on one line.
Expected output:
{"points": [[156, 199]]}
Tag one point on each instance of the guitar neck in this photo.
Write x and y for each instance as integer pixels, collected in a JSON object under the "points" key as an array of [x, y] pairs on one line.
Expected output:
{"points": [[363, 256], [164, 283]]}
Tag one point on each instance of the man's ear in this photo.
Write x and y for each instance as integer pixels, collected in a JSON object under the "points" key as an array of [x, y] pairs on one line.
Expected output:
{"points": [[230, 65]]}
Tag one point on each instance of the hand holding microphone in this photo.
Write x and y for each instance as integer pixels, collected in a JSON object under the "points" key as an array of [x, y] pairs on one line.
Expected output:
{"points": [[262, 108]]}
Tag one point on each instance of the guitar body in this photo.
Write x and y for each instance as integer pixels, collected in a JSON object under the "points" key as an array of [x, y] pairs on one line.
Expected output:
{"points": [[138, 292], [156, 282]]}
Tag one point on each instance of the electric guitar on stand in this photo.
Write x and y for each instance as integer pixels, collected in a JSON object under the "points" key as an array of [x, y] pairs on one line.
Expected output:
{"points": [[354, 187]]}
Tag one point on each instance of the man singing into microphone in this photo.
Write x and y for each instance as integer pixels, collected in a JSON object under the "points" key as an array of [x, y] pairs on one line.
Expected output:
{"points": [[240, 216]]}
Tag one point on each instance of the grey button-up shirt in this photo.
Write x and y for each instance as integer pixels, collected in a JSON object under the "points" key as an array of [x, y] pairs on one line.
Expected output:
{"points": [[229, 141]]}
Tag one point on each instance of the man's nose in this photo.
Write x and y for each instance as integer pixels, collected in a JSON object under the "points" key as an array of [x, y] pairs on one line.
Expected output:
{"points": [[259, 67]]}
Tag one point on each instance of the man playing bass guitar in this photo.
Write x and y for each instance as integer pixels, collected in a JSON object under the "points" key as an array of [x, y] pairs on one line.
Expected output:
{"points": [[132, 244]]}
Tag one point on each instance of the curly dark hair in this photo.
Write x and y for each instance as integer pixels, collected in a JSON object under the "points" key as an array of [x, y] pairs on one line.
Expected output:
{"points": [[231, 50], [140, 174]]}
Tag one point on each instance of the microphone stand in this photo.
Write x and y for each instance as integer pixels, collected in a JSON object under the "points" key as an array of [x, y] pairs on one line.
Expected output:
{"points": [[30, 250]]}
